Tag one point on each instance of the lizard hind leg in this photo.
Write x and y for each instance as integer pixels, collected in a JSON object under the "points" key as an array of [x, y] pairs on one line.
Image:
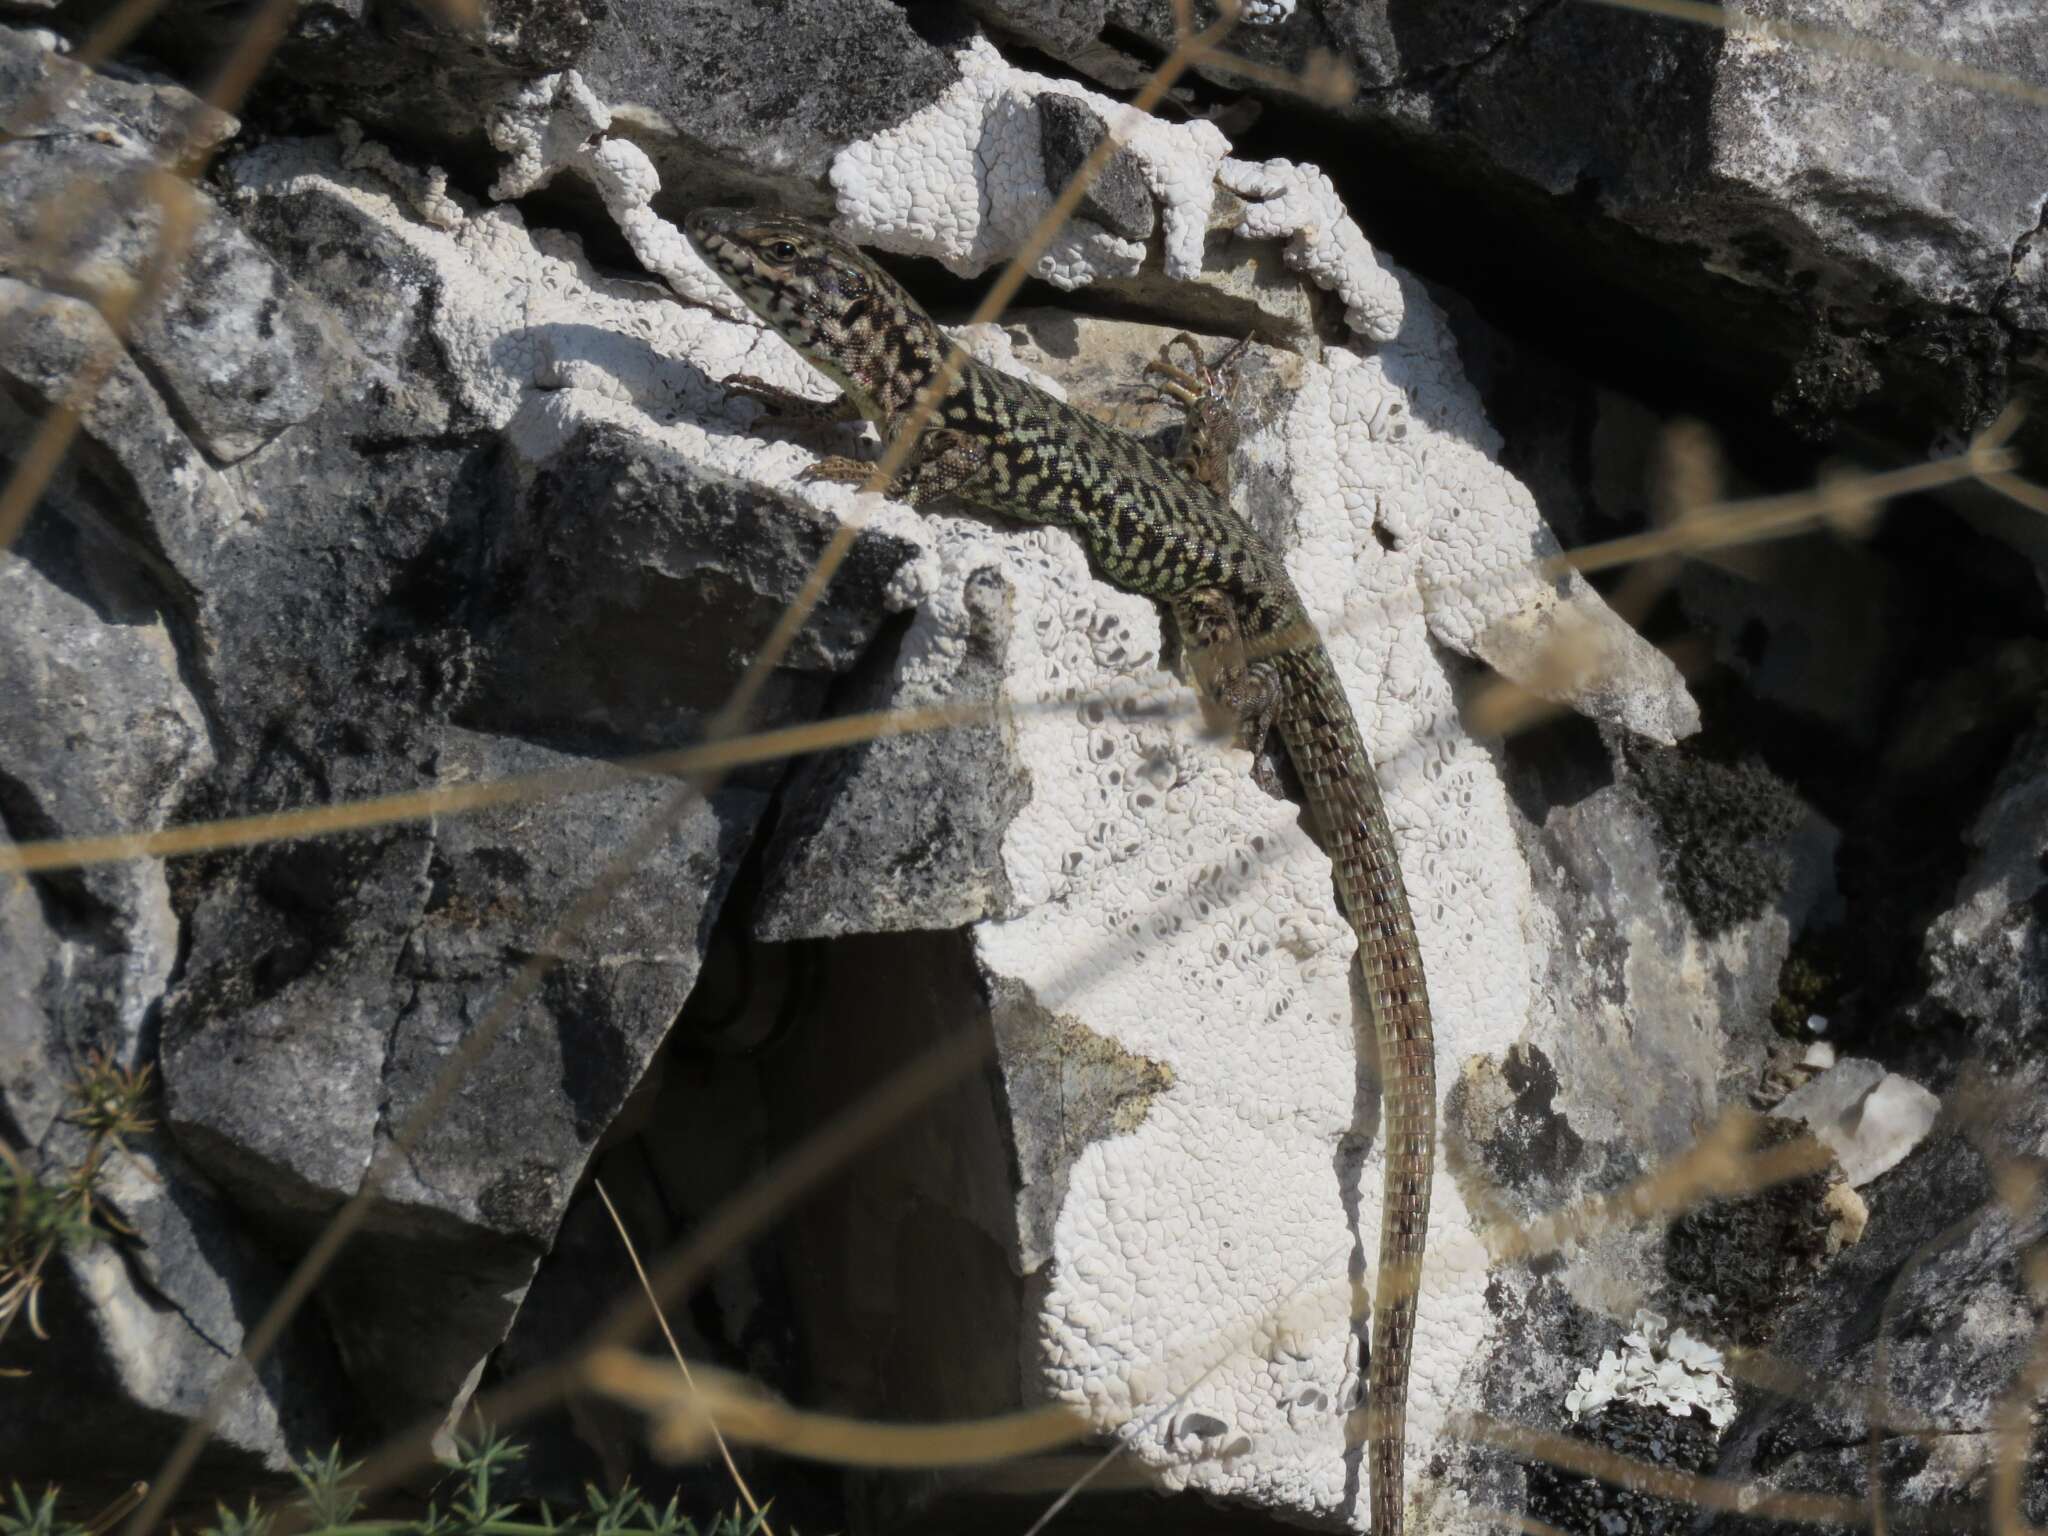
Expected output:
{"points": [[1238, 694]]}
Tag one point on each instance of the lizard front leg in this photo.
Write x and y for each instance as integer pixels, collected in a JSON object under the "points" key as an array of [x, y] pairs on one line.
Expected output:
{"points": [[1237, 693], [944, 461], [787, 406]]}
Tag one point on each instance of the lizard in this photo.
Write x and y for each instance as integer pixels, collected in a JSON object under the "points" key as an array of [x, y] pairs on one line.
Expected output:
{"points": [[1154, 528]]}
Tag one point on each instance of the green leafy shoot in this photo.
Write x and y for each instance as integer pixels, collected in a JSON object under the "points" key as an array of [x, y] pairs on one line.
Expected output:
{"points": [[38, 1217]]}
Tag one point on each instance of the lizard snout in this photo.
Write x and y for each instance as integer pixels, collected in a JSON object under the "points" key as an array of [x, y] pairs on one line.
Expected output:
{"points": [[705, 224]]}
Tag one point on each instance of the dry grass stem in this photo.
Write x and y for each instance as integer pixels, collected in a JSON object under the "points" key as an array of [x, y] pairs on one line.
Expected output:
{"points": [[458, 799], [675, 1350], [1712, 1493], [684, 1406], [1718, 1166]]}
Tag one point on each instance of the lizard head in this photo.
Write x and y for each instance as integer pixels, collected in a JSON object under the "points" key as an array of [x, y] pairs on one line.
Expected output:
{"points": [[813, 288], [851, 320]]}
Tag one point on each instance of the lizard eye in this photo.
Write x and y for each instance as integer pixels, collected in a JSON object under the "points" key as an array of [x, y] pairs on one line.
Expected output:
{"points": [[781, 250]]}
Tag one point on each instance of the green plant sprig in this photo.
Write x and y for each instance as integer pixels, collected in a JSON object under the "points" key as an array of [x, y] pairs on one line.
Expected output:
{"points": [[328, 1505]]}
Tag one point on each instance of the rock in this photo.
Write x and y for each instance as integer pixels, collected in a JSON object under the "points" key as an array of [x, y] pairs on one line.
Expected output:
{"points": [[902, 805], [619, 547], [321, 985], [328, 989], [1932, 1309], [726, 96], [1869, 1117], [142, 1328], [1133, 813], [423, 486], [1729, 832], [130, 110], [236, 355], [1983, 959], [1736, 169], [1117, 198], [722, 98], [1242, 289], [98, 733], [101, 731]]}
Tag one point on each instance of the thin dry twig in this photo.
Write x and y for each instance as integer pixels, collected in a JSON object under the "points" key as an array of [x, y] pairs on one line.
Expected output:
{"points": [[1719, 1494], [712, 756], [684, 1407], [710, 1423]]}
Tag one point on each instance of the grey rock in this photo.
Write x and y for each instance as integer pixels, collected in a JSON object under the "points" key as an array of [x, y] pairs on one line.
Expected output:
{"points": [[225, 338], [1657, 1030], [142, 1330], [328, 993], [1884, 278], [486, 624], [904, 832], [2024, 303], [1243, 289], [617, 549], [312, 623], [1069, 30], [1932, 1308], [415, 72], [44, 94], [1118, 198], [732, 102], [1986, 955], [728, 101], [1696, 1001], [100, 732]]}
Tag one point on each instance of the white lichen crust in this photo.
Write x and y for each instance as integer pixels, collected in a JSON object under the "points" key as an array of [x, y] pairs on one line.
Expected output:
{"points": [[1198, 1295], [557, 123], [964, 180], [1675, 1372]]}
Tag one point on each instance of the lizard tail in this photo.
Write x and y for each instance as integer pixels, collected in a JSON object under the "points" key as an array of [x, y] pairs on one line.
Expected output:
{"points": [[1323, 740]]}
